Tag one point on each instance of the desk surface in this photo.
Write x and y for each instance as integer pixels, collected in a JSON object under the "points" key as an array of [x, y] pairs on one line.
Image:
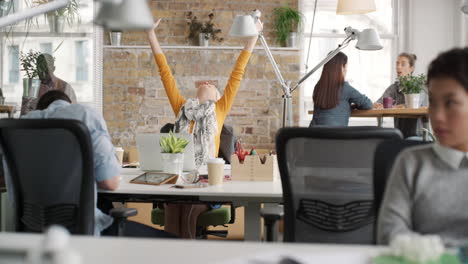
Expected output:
{"points": [[387, 112], [130, 250], [230, 189], [7, 108]]}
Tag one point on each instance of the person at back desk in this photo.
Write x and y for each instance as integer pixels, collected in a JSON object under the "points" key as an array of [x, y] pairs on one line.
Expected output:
{"points": [[405, 66], [333, 96], [56, 104]]}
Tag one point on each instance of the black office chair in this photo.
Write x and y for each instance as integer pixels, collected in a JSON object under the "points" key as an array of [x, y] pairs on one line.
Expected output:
{"points": [[326, 175], [52, 172], [385, 155]]}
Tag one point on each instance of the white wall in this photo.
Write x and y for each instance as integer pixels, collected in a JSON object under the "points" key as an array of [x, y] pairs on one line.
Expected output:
{"points": [[433, 26]]}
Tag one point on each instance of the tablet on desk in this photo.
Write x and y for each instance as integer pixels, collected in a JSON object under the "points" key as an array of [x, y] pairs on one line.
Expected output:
{"points": [[155, 178]]}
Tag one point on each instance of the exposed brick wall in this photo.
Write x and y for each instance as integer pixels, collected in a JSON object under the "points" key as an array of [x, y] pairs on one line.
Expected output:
{"points": [[135, 100], [174, 30]]}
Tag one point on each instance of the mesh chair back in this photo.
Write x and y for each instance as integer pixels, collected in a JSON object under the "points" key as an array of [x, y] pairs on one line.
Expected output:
{"points": [[326, 175], [385, 155], [51, 167]]}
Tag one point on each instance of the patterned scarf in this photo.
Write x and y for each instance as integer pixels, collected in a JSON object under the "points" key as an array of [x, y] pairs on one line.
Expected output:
{"points": [[205, 128]]}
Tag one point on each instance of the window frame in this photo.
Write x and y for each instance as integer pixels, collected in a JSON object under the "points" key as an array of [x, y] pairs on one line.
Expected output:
{"points": [[96, 66], [397, 39]]}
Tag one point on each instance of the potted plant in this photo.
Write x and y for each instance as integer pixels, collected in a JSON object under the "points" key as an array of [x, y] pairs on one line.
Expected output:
{"points": [[412, 86], [56, 19], [288, 21], [28, 65], [202, 31], [172, 149]]}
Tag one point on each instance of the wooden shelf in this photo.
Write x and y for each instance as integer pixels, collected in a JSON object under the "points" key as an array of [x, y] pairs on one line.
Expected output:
{"points": [[197, 47]]}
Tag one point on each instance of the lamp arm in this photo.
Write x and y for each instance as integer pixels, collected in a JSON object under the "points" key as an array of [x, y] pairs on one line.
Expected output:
{"points": [[330, 56], [275, 65], [31, 12]]}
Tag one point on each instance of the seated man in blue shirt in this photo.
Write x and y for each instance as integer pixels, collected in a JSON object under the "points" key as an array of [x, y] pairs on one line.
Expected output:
{"points": [[56, 104]]}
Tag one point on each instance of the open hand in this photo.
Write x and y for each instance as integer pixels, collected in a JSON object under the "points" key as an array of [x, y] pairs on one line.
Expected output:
{"points": [[377, 106], [155, 25]]}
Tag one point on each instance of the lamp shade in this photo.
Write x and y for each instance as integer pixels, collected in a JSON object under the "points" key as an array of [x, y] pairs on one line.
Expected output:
{"points": [[128, 15], [349, 7], [464, 8], [243, 26], [368, 39]]}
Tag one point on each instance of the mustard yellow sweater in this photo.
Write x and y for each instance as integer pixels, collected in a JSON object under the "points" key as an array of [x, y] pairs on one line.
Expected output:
{"points": [[223, 105]]}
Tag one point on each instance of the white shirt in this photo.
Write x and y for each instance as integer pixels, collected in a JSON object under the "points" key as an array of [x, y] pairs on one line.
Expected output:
{"points": [[450, 156]]}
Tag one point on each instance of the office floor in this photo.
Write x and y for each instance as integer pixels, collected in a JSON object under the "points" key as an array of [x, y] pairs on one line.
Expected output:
{"points": [[235, 231]]}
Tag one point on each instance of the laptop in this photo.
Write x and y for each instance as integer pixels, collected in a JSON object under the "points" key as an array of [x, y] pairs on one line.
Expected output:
{"points": [[149, 151]]}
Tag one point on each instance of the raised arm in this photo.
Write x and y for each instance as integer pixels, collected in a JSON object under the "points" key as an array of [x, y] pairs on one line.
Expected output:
{"points": [[225, 102], [172, 92]]}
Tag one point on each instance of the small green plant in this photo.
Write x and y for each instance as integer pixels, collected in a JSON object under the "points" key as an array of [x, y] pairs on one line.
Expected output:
{"points": [[196, 27], [28, 63], [411, 84], [173, 144], [287, 20]]}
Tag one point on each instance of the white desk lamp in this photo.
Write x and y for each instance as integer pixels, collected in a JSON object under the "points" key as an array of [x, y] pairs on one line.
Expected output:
{"points": [[124, 15], [113, 14], [244, 26]]}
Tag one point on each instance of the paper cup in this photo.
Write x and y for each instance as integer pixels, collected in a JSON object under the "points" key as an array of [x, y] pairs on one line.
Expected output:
{"points": [[120, 153], [215, 171]]}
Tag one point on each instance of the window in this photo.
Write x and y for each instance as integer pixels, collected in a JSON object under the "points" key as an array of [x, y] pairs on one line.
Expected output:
{"points": [[46, 48], [77, 53], [370, 72], [13, 64], [81, 56]]}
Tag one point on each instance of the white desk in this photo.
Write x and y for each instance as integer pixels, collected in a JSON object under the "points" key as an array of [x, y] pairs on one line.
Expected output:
{"points": [[248, 194], [127, 250]]}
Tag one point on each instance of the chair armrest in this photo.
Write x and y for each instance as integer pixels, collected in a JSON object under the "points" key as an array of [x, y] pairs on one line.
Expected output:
{"points": [[272, 212], [123, 212]]}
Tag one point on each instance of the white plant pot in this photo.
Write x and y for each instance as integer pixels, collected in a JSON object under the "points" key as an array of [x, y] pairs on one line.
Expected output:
{"points": [[59, 24], [115, 38], [412, 100], [51, 22], [204, 39], [292, 40], [27, 83], [34, 88], [56, 23], [173, 162]]}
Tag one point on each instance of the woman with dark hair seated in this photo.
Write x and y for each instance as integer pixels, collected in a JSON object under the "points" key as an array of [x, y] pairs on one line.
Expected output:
{"points": [[426, 192], [333, 96]]}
